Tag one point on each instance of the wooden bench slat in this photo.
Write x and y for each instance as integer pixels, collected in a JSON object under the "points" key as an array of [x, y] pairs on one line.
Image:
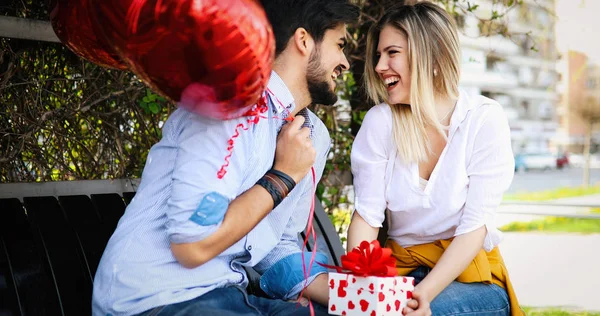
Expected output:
{"points": [[110, 207], [65, 259], [9, 301], [34, 290], [128, 196], [91, 234]]}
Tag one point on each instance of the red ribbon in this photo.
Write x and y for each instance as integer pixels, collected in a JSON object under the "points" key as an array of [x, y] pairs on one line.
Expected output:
{"points": [[254, 115], [368, 259]]}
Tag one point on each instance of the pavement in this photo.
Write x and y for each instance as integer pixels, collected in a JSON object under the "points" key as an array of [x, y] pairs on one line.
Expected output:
{"points": [[508, 213], [553, 269]]}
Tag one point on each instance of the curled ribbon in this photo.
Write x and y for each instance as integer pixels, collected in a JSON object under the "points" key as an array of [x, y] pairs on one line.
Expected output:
{"points": [[368, 259], [254, 115]]}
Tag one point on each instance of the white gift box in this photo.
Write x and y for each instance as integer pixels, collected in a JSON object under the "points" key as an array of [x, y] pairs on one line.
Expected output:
{"points": [[373, 296]]}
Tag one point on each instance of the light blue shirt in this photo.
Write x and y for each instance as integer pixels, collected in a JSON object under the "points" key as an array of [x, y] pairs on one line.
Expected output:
{"points": [[180, 199]]}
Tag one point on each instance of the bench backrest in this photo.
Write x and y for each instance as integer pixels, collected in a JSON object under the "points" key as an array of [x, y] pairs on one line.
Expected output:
{"points": [[52, 236]]}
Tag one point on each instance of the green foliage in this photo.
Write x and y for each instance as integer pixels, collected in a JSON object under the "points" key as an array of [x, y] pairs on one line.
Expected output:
{"points": [[63, 118], [152, 103], [341, 220]]}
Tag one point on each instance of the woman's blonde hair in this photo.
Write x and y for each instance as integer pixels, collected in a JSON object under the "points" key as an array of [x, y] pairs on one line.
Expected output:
{"points": [[433, 46]]}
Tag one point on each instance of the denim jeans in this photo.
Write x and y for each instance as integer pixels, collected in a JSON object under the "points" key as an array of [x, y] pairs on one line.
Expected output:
{"points": [[473, 299], [234, 301]]}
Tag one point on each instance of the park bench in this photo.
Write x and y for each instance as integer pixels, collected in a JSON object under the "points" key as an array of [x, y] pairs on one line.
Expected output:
{"points": [[53, 234]]}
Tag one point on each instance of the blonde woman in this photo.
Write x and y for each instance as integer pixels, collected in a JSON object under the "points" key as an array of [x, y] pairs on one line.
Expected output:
{"points": [[438, 160]]}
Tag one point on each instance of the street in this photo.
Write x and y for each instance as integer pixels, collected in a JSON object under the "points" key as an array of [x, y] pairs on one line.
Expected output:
{"points": [[536, 180]]}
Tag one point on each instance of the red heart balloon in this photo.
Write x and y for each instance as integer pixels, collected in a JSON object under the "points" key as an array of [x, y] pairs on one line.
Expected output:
{"points": [[71, 22], [213, 57]]}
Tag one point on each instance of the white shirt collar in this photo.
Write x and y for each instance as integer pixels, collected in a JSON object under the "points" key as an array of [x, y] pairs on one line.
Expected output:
{"points": [[282, 96]]}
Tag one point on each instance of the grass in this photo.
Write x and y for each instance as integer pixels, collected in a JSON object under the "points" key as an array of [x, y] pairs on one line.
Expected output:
{"points": [[551, 223], [560, 193], [529, 311], [556, 225]]}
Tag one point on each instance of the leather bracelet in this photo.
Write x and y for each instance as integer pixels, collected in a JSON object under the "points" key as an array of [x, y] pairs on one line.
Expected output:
{"points": [[289, 182], [272, 189], [281, 186]]}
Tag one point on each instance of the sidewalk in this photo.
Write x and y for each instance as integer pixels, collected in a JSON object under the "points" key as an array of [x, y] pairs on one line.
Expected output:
{"points": [[505, 211], [554, 270]]}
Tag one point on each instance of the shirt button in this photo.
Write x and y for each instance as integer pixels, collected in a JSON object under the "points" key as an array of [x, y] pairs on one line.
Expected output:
{"points": [[249, 248]]}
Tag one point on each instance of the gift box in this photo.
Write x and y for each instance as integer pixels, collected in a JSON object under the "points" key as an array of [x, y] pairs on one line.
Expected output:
{"points": [[367, 283], [375, 296]]}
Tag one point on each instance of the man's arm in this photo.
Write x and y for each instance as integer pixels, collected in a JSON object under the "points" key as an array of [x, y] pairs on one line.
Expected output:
{"points": [[283, 271], [243, 214], [294, 156]]}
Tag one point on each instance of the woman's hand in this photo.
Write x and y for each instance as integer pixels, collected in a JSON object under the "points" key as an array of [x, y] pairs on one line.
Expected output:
{"points": [[418, 305]]}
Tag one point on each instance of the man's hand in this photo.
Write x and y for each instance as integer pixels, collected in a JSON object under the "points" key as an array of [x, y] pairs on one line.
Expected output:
{"points": [[295, 154], [418, 305]]}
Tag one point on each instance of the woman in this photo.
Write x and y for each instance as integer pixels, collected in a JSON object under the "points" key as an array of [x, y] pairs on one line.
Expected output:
{"points": [[439, 161]]}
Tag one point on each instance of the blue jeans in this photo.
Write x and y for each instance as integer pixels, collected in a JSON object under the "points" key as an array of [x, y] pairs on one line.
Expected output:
{"points": [[234, 301], [473, 299]]}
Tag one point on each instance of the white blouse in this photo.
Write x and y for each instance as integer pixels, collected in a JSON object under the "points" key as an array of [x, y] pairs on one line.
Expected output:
{"points": [[464, 189]]}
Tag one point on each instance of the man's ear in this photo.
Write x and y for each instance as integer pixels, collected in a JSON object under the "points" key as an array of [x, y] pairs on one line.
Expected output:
{"points": [[303, 42]]}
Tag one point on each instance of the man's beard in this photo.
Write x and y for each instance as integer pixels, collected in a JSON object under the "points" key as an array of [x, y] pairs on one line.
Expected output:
{"points": [[318, 86]]}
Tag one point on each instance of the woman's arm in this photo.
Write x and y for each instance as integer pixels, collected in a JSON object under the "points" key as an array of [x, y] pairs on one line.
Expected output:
{"points": [[454, 261], [358, 231]]}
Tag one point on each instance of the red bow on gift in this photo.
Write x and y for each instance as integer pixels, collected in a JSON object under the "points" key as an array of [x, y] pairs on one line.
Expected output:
{"points": [[368, 259]]}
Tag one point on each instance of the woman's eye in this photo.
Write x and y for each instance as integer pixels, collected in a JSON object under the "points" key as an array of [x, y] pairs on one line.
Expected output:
{"points": [[393, 52]]}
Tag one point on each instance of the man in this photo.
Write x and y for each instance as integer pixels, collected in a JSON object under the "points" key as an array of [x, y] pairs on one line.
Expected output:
{"points": [[183, 242]]}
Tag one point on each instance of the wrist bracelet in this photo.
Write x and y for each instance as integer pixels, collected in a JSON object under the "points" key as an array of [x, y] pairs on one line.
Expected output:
{"points": [[278, 183], [272, 189], [289, 182]]}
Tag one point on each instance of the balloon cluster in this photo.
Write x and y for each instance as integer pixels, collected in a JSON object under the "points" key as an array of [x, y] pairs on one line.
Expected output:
{"points": [[212, 57]]}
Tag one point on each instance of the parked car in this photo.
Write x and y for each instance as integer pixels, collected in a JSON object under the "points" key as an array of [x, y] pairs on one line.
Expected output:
{"points": [[529, 161], [562, 161]]}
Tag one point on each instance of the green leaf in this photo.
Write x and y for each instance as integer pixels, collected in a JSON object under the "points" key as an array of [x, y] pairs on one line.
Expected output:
{"points": [[471, 8], [154, 107]]}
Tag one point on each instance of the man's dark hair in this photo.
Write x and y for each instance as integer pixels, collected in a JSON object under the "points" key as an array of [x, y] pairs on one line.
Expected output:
{"points": [[316, 16]]}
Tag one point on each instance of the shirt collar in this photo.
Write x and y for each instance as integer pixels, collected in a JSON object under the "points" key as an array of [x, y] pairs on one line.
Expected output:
{"points": [[463, 105], [283, 101], [282, 97]]}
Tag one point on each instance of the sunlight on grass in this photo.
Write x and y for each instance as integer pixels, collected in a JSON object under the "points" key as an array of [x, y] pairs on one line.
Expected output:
{"points": [[556, 225], [552, 194], [529, 311]]}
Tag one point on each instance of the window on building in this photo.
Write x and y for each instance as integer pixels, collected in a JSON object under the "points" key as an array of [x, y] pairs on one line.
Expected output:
{"points": [[492, 62], [525, 108]]}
